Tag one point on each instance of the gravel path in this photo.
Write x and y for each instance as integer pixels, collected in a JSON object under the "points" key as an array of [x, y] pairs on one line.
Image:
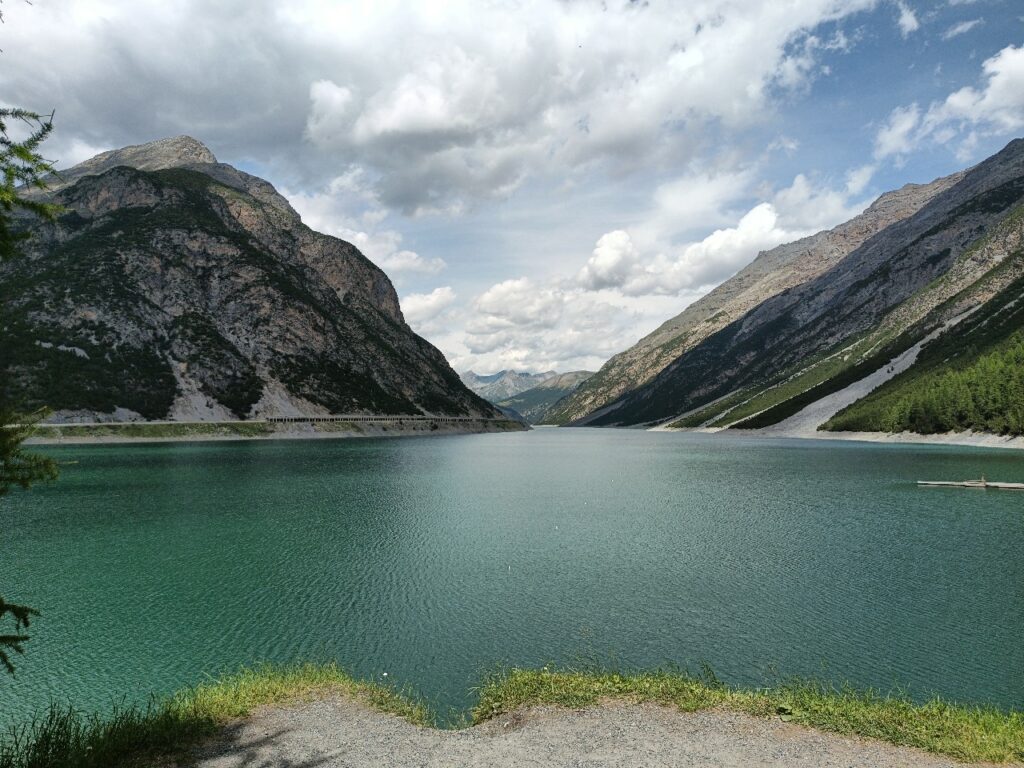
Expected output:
{"points": [[343, 732]]}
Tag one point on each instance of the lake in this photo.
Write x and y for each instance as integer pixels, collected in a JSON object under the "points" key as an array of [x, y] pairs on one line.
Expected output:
{"points": [[435, 560]]}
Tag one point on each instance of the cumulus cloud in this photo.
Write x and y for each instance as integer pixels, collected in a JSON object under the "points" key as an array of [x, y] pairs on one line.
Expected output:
{"points": [[858, 179], [372, 111], [898, 135], [349, 209], [524, 324], [625, 289], [963, 116], [618, 262], [806, 207], [1000, 103], [479, 97], [907, 20], [613, 262], [423, 310]]}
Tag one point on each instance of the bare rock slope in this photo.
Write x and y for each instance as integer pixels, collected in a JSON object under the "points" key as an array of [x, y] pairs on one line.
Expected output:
{"points": [[173, 286], [954, 247], [771, 273]]}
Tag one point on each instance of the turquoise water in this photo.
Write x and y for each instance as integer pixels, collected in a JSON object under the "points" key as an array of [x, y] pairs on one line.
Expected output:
{"points": [[436, 559]]}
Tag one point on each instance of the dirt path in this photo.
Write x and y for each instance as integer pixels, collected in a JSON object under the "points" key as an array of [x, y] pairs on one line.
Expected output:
{"points": [[342, 732]]}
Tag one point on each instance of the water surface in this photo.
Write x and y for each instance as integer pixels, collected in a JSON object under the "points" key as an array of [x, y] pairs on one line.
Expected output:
{"points": [[436, 559]]}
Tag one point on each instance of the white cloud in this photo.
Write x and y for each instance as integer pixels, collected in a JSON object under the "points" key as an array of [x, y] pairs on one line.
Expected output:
{"points": [[961, 29], [421, 310], [374, 110], [695, 202], [997, 107], [348, 208], [613, 261], [804, 207], [527, 325], [516, 303], [999, 104], [410, 261], [479, 97], [898, 135], [646, 265], [624, 290], [907, 20], [859, 178]]}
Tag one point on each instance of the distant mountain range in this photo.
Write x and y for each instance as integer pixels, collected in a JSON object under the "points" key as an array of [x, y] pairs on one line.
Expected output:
{"points": [[534, 404], [919, 299], [503, 384], [176, 287]]}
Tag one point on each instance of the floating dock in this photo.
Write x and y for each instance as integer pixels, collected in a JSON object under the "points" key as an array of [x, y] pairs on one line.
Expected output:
{"points": [[983, 483]]}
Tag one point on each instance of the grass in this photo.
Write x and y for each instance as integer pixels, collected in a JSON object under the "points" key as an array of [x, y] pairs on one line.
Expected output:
{"points": [[168, 728], [966, 733]]}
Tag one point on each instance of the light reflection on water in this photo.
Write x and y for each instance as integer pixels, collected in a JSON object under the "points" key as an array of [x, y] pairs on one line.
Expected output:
{"points": [[436, 559]]}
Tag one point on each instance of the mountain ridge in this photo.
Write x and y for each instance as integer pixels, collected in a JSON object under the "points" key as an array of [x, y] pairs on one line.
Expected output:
{"points": [[770, 273], [187, 289], [506, 383], [958, 251], [534, 404]]}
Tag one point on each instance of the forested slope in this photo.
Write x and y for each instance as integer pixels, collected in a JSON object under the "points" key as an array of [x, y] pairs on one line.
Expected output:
{"points": [[969, 378]]}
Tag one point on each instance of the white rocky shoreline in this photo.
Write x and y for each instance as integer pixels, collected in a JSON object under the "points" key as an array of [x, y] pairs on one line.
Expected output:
{"points": [[967, 439]]}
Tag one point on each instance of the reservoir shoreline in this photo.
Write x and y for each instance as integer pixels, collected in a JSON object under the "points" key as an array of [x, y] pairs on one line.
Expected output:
{"points": [[98, 434], [190, 432], [965, 439]]}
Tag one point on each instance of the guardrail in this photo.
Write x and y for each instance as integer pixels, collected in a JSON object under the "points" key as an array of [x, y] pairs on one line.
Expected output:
{"points": [[362, 417]]}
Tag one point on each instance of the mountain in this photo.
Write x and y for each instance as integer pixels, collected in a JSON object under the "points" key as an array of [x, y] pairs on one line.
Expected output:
{"points": [[771, 273], [176, 287], [503, 384], [939, 288], [534, 404]]}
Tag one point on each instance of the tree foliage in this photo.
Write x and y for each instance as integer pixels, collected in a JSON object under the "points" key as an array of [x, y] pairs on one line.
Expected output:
{"points": [[22, 168], [986, 394]]}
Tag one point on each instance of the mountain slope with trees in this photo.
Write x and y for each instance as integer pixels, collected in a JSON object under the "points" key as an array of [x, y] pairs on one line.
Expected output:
{"points": [[176, 287], [771, 273], [903, 284], [535, 404]]}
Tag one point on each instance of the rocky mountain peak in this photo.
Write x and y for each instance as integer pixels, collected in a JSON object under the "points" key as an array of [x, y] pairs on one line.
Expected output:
{"points": [[504, 383], [187, 289], [155, 155], [175, 152]]}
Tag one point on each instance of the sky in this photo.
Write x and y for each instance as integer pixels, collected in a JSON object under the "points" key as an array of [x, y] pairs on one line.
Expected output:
{"points": [[545, 181]]}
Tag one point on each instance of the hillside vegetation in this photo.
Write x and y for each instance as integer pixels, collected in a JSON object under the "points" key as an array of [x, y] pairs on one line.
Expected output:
{"points": [[165, 732], [173, 287], [969, 378], [949, 259]]}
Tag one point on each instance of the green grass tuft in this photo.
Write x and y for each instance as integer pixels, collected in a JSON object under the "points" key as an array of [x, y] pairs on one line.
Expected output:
{"points": [[169, 728], [966, 733]]}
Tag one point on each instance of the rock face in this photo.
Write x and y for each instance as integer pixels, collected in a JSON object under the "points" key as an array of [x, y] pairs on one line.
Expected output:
{"points": [[533, 404], [503, 384], [958, 252], [173, 286], [771, 273], [846, 304]]}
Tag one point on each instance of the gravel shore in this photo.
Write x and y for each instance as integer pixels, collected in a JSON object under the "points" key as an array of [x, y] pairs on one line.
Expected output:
{"points": [[342, 732]]}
